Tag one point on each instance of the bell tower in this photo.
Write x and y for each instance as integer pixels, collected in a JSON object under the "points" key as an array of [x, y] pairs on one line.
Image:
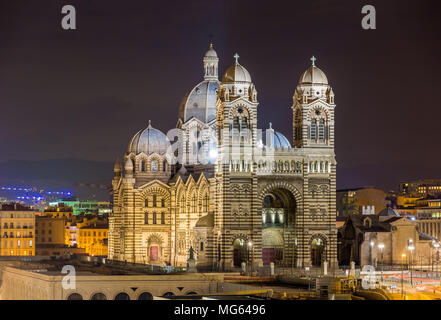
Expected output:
{"points": [[237, 226], [313, 128], [313, 110]]}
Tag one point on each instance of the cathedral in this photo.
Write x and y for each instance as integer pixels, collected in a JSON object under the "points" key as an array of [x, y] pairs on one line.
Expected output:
{"points": [[221, 190]]}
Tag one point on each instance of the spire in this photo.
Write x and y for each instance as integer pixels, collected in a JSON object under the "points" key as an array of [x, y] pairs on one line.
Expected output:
{"points": [[236, 57], [150, 124], [117, 166], [313, 59], [210, 62]]}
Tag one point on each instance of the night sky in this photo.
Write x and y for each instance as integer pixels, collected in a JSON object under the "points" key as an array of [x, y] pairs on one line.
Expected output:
{"points": [[83, 94]]}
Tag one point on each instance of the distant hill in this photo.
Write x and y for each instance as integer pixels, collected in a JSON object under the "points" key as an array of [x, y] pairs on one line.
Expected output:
{"points": [[59, 174]]}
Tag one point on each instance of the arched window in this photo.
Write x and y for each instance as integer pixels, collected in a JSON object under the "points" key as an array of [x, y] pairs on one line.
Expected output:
{"points": [[145, 296], [164, 166], [154, 200], [163, 202], [236, 124], [313, 129], [168, 294], [154, 217], [143, 166], [244, 123], [154, 165], [162, 217], [75, 296], [146, 218], [99, 296], [205, 208], [321, 130], [146, 202], [122, 296]]}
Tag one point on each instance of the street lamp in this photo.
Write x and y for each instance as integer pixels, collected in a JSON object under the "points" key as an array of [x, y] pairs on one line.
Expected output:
{"points": [[436, 246], [403, 256], [410, 247], [381, 247], [250, 246], [372, 249]]}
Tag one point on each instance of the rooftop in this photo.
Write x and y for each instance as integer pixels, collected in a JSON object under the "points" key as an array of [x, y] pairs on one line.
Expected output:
{"points": [[15, 207]]}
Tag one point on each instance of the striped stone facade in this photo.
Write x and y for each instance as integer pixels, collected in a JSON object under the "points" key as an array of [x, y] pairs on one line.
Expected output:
{"points": [[254, 203]]}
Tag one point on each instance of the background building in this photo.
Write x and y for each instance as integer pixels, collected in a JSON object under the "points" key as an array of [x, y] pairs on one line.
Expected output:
{"points": [[383, 238], [17, 230], [421, 187], [352, 201], [94, 239], [84, 207]]}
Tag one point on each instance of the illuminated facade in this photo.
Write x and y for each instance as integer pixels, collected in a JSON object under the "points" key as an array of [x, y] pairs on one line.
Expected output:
{"points": [[422, 187], [17, 230], [84, 207], [94, 239], [243, 196], [352, 201]]}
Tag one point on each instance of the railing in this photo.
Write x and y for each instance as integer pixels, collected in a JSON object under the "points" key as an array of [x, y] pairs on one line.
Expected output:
{"points": [[137, 267]]}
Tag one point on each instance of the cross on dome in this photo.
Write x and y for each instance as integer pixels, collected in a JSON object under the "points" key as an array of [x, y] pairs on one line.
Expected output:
{"points": [[313, 59], [236, 56]]}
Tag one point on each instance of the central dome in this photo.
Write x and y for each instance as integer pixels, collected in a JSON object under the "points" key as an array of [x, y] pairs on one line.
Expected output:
{"points": [[200, 102], [236, 73], [149, 140]]}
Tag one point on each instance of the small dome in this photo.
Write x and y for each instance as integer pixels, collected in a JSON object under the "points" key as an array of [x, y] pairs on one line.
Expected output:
{"points": [[236, 73], [313, 75], [211, 53], [279, 140], [149, 140], [388, 212]]}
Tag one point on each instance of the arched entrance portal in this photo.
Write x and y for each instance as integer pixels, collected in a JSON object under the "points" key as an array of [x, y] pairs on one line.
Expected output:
{"points": [[278, 219], [272, 246], [240, 252], [154, 246], [317, 251]]}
